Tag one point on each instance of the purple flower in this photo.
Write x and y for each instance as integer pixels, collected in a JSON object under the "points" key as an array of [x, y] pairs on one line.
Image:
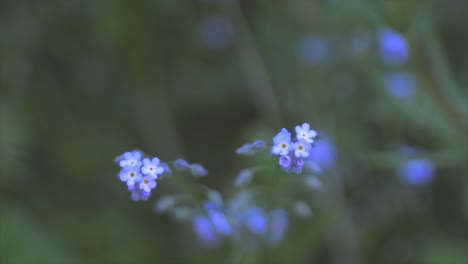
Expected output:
{"points": [[284, 162], [205, 231]]}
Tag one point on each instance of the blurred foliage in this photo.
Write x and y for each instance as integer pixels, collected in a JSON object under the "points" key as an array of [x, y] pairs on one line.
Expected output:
{"points": [[84, 81]]}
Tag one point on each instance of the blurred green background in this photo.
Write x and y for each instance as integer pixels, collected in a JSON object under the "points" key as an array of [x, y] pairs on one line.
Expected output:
{"points": [[84, 81]]}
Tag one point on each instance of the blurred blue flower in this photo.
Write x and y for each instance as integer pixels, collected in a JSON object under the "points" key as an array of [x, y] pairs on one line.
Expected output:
{"points": [[302, 209], [313, 49], [218, 218], [279, 222], [417, 172], [205, 231], [251, 149], [130, 158], [181, 165], [147, 184], [197, 170], [400, 85], [216, 32], [244, 177], [324, 153], [282, 143], [394, 48], [256, 220], [152, 167]]}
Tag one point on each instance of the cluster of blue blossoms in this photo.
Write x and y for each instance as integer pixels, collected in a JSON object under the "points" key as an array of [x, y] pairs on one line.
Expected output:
{"points": [[139, 174], [247, 222], [292, 153]]}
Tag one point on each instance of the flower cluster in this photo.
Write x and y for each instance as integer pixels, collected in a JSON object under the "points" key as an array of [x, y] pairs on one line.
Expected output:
{"points": [[249, 222], [292, 154], [140, 174]]}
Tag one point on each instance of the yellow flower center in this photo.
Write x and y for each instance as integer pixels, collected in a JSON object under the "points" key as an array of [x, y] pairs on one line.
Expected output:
{"points": [[301, 147], [283, 146], [132, 174], [146, 181]]}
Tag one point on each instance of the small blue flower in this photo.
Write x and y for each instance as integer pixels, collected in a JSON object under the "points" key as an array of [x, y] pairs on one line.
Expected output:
{"points": [[251, 149], [197, 170], [256, 220], [400, 85], [304, 132], [147, 184], [324, 153], [282, 143], [279, 222], [394, 48], [244, 177], [152, 167], [218, 218], [131, 158], [205, 231], [131, 175], [302, 148], [417, 172], [181, 165]]}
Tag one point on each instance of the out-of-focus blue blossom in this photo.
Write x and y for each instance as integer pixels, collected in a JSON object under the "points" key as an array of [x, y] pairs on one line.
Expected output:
{"points": [[400, 85], [256, 220], [244, 177], [218, 218], [152, 167], [205, 231], [313, 49], [282, 143], [417, 172], [131, 175], [130, 158], [302, 148], [302, 209], [394, 48], [313, 182], [198, 170], [324, 153], [304, 132], [181, 165], [216, 32], [251, 149], [215, 197], [279, 222]]}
